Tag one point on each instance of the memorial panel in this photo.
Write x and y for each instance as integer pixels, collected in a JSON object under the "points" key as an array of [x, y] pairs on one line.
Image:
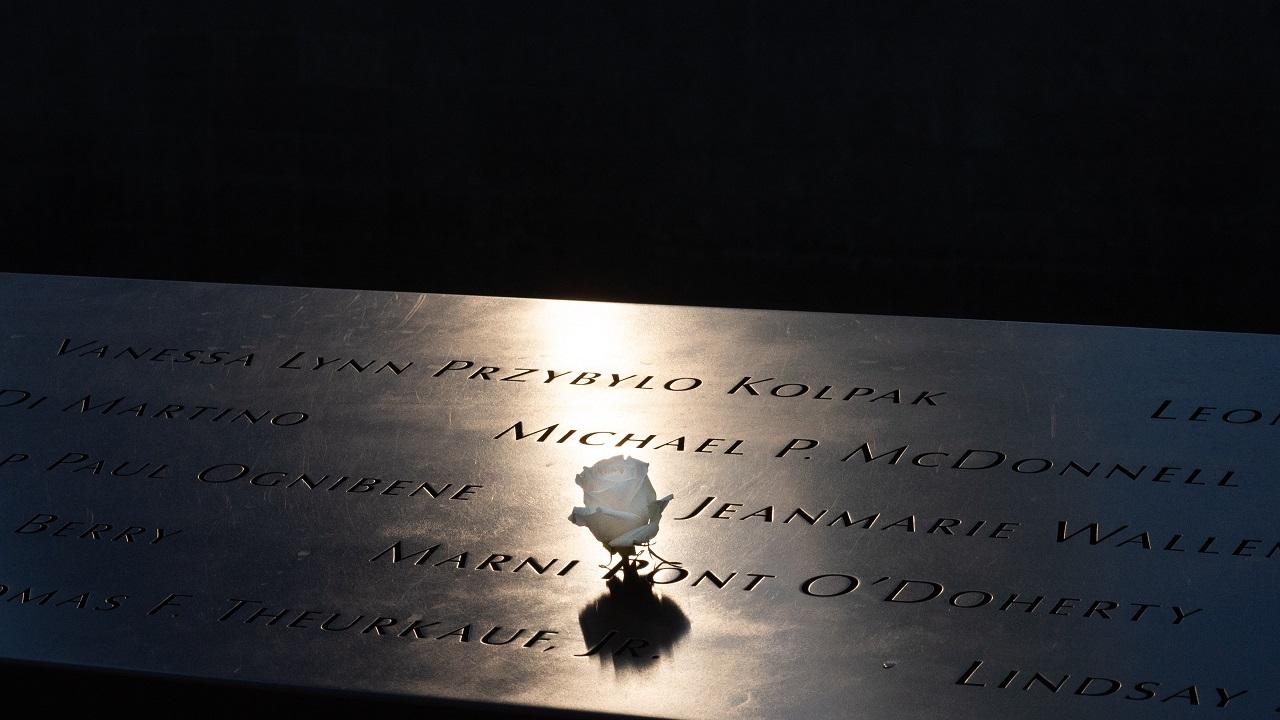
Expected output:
{"points": [[465, 498]]}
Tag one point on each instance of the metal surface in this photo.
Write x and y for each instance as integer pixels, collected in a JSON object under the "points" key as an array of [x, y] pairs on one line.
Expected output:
{"points": [[1205, 622]]}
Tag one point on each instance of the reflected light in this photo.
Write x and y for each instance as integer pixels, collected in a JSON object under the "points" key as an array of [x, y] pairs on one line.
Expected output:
{"points": [[590, 335], [695, 636], [603, 338]]}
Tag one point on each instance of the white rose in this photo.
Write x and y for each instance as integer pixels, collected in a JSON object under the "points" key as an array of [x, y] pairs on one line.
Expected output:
{"points": [[621, 507]]}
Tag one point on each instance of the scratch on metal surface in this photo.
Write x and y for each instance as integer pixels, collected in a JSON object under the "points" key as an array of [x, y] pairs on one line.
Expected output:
{"points": [[417, 305]]}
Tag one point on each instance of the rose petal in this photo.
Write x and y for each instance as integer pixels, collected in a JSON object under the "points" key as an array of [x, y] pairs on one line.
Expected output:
{"points": [[581, 515], [619, 502], [656, 507], [642, 534], [619, 483]]}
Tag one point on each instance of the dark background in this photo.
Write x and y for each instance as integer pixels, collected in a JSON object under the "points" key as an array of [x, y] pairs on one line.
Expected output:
{"points": [[1108, 163], [1102, 163]]}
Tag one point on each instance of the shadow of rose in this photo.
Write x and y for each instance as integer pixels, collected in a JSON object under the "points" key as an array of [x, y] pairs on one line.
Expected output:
{"points": [[630, 626]]}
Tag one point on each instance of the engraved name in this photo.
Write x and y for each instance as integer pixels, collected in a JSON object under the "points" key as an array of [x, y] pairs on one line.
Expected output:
{"points": [[57, 598], [1124, 537], [516, 563], [978, 460], [473, 371], [40, 523], [496, 562], [747, 386], [256, 612], [892, 396], [124, 406], [325, 482], [1205, 413], [302, 361], [611, 438], [246, 475], [1057, 684], [913, 591], [711, 509], [78, 462], [150, 353]]}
